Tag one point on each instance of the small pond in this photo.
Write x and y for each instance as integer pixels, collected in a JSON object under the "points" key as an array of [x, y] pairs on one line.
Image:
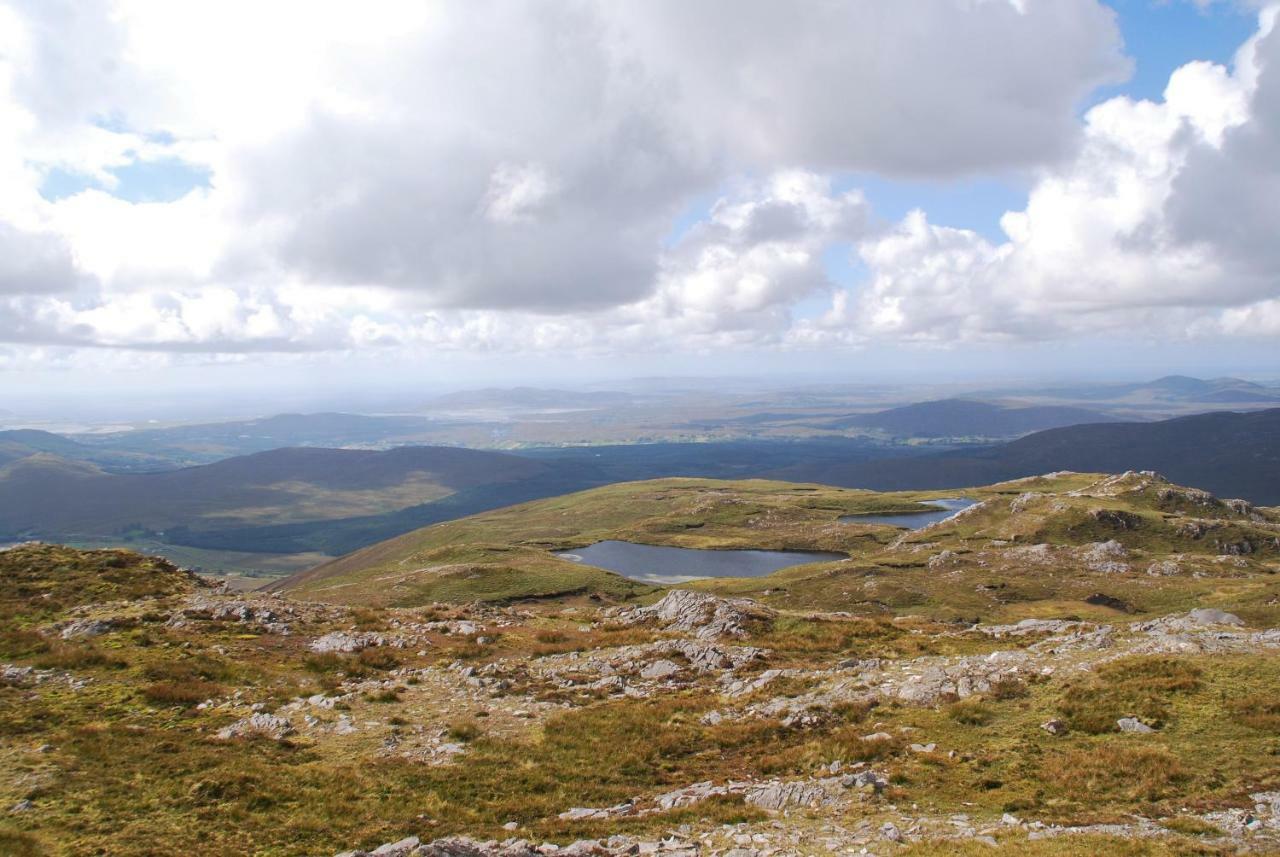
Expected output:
{"points": [[660, 564], [914, 520]]}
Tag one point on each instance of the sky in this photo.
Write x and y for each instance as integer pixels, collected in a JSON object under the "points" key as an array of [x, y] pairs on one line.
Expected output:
{"points": [[337, 196]]}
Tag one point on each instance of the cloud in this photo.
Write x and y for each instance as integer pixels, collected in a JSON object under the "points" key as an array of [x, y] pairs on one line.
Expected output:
{"points": [[506, 176], [497, 156], [1162, 226], [34, 262]]}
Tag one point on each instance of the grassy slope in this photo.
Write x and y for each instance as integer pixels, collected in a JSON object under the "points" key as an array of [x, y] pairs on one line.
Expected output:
{"points": [[473, 557], [137, 774]]}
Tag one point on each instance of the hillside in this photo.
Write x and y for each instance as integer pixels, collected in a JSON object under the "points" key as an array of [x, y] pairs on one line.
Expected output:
{"points": [[49, 496], [1080, 664], [474, 558], [459, 560], [1232, 454], [16, 444], [957, 418]]}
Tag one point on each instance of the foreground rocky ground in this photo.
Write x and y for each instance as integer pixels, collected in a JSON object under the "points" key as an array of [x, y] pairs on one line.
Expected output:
{"points": [[143, 711]]}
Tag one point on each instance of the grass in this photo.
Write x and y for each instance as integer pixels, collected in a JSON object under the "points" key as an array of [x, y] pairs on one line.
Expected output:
{"points": [[42, 582], [1141, 687], [131, 763], [506, 555]]}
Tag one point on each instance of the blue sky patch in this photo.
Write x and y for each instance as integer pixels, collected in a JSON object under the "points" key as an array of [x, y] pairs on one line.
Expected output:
{"points": [[161, 180]]}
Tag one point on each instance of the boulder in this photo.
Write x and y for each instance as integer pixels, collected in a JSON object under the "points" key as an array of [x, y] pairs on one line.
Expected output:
{"points": [[1211, 616], [1133, 725], [81, 628], [1054, 727]]}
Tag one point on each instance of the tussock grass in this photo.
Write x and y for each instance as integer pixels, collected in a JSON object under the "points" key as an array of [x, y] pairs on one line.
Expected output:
{"points": [[1258, 711], [181, 693], [1115, 771], [1141, 687]]}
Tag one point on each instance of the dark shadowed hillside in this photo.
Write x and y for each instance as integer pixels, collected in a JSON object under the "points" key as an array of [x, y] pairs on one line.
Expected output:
{"points": [[45, 494], [1230, 454], [967, 418]]}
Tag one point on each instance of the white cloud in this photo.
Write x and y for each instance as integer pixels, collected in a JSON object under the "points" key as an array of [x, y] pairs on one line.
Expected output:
{"points": [[1163, 225], [506, 175]]}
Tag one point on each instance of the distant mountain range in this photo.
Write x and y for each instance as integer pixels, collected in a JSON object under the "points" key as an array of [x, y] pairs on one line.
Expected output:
{"points": [[1231, 454], [960, 418], [1171, 388]]}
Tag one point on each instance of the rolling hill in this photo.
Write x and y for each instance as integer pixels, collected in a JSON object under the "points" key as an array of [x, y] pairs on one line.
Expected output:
{"points": [[969, 418], [46, 495], [1230, 454], [203, 443]]}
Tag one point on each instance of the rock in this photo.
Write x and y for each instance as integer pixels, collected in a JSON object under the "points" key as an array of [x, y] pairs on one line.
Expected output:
{"points": [[1105, 557], [942, 558], [1134, 725], [705, 616], [924, 748], [1210, 616], [779, 795], [1054, 727], [690, 795], [865, 780], [14, 675], [339, 641], [582, 813], [890, 831], [81, 628], [396, 849], [258, 725], [660, 669], [21, 806]]}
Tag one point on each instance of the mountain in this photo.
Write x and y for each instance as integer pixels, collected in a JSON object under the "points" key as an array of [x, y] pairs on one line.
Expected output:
{"points": [[44, 494], [969, 418], [1169, 389], [1230, 454]]}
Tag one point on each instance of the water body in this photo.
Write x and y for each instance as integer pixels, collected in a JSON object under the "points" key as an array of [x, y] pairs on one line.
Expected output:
{"points": [[660, 564], [914, 520]]}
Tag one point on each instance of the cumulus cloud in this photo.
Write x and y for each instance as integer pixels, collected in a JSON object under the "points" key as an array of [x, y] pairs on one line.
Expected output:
{"points": [[507, 175], [494, 157], [1163, 225]]}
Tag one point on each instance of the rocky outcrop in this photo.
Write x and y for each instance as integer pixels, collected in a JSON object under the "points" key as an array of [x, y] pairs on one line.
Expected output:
{"points": [[258, 725], [1105, 557], [705, 616], [343, 642]]}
